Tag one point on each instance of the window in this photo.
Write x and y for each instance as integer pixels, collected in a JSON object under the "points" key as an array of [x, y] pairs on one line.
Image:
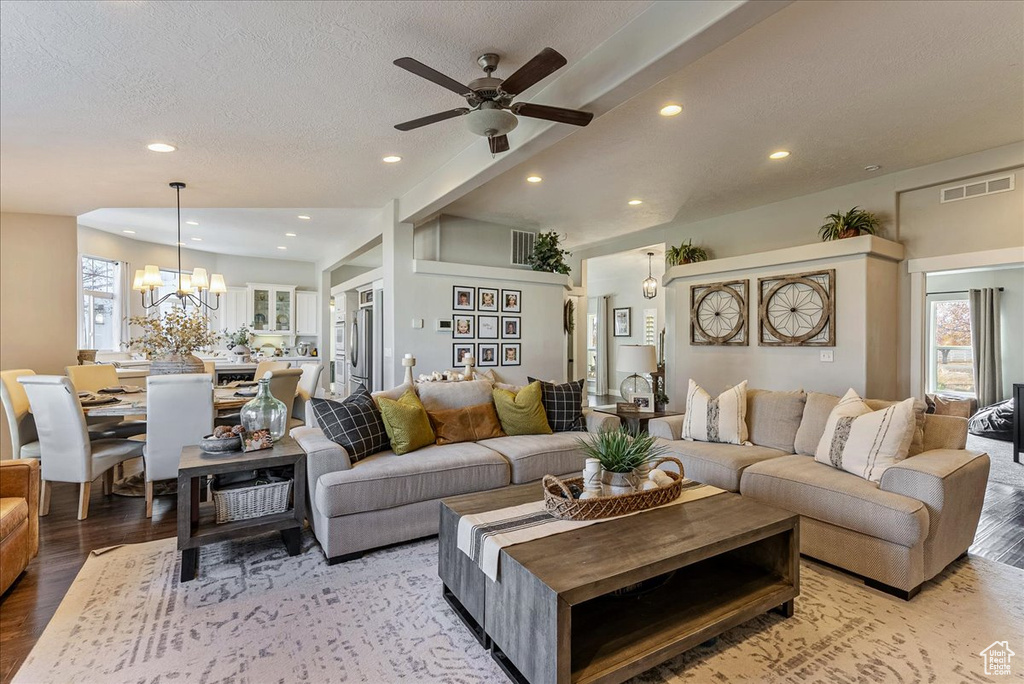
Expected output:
{"points": [[650, 326], [100, 320], [950, 354], [592, 348]]}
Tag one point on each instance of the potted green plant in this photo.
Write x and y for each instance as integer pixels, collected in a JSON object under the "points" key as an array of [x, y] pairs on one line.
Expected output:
{"points": [[857, 221], [686, 253], [238, 342], [621, 454], [548, 254], [169, 340]]}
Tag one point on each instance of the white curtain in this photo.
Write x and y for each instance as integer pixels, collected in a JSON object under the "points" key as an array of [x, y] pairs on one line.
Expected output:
{"points": [[602, 345], [988, 371]]}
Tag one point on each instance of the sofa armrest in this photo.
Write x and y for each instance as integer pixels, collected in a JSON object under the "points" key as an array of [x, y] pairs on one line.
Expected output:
{"points": [[670, 427], [599, 422], [951, 484], [19, 479], [322, 455]]}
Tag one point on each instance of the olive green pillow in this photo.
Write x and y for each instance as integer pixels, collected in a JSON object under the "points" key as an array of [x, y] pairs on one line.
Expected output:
{"points": [[406, 422], [522, 413]]}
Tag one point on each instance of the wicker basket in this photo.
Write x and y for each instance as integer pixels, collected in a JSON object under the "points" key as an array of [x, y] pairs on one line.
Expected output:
{"points": [[252, 502], [559, 502]]}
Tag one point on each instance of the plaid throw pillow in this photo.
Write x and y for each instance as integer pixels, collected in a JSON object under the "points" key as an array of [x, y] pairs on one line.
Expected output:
{"points": [[354, 423], [563, 405]]}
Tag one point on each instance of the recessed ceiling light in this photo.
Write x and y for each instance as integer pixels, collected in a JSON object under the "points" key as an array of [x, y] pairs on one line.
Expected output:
{"points": [[533, 179], [160, 147], [781, 154], [391, 159], [281, 247], [192, 223], [289, 234], [872, 167], [635, 202], [130, 232], [304, 217], [197, 239], [670, 110]]}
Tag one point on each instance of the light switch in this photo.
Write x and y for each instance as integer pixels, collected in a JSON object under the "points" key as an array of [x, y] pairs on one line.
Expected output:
{"points": [[827, 355], [417, 322]]}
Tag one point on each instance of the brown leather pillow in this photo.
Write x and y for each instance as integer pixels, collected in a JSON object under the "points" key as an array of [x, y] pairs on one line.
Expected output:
{"points": [[469, 424]]}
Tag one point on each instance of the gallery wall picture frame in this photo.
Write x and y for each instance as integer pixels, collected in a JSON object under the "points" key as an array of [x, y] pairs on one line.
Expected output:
{"points": [[459, 351], [622, 322], [463, 298], [797, 310], [511, 301], [487, 327], [510, 327], [510, 354], [487, 354], [487, 298], [718, 314], [463, 326]]}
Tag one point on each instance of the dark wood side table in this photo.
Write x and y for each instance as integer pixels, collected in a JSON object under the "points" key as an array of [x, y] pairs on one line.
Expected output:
{"points": [[1018, 420], [197, 524], [637, 421]]}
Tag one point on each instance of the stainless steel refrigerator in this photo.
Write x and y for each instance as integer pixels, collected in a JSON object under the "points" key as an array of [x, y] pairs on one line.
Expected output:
{"points": [[360, 350]]}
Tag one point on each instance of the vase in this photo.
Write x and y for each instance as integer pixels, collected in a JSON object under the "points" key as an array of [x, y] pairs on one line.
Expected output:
{"points": [[620, 483], [175, 364], [849, 233], [265, 412], [241, 353]]}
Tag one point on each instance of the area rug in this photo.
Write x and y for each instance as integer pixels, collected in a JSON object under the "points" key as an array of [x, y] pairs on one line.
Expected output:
{"points": [[255, 614], [1000, 454]]}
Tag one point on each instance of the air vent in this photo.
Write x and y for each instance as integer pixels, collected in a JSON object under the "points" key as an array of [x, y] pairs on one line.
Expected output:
{"points": [[977, 189], [522, 247]]}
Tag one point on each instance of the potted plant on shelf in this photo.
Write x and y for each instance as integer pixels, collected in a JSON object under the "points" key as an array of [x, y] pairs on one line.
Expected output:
{"points": [[685, 253], [621, 454], [857, 221], [169, 340], [238, 343], [548, 254]]}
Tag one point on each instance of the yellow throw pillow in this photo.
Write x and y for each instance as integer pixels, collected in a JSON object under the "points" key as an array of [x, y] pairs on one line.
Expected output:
{"points": [[522, 413], [406, 422]]}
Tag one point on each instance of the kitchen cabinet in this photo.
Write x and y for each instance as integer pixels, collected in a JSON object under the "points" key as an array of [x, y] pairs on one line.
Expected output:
{"points": [[307, 310], [273, 309], [233, 312]]}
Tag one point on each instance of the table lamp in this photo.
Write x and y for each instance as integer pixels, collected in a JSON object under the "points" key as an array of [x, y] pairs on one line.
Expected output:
{"points": [[635, 359]]}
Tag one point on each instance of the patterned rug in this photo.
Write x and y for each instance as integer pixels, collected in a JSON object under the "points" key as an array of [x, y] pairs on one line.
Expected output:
{"points": [[256, 615]]}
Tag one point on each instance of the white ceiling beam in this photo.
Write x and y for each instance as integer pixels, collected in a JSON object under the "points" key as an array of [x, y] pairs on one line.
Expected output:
{"points": [[665, 38]]}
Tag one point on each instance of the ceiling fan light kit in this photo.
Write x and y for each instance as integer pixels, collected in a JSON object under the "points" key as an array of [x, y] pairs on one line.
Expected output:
{"points": [[491, 113]]}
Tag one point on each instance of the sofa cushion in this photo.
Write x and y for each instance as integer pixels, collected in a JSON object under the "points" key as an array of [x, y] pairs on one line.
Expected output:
{"points": [[522, 412], [470, 424], [355, 423], [394, 393], [818, 408], [534, 456], [13, 512], [718, 419], [406, 422], [386, 480], [821, 492], [563, 405], [441, 396], [719, 465], [773, 417]]}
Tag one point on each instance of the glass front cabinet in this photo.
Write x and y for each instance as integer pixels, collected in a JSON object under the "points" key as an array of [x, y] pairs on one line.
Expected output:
{"points": [[273, 309]]}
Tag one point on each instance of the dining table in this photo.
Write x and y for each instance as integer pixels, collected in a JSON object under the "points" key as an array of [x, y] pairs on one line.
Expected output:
{"points": [[134, 404]]}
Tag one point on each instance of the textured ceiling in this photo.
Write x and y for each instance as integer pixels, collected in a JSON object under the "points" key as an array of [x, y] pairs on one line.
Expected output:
{"points": [[271, 104], [840, 84]]}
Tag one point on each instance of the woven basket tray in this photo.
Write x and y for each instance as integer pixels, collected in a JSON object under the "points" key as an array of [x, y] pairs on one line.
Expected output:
{"points": [[559, 502], [252, 502]]}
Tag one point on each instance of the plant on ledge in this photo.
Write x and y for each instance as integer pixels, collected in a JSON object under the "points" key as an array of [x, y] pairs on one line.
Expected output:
{"points": [[857, 221], [170, 340], [548, 255], [620, 451], [685, 253]]}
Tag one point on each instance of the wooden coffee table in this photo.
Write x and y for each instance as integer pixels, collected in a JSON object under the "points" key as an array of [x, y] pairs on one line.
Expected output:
{"points": [[551, 618]]}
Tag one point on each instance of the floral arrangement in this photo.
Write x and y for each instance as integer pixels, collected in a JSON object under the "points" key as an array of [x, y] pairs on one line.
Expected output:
{"points": [[177, 332], [242, 337]]}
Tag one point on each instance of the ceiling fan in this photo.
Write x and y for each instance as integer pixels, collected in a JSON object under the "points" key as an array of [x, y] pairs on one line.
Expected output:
{"points": [[491, 112]]}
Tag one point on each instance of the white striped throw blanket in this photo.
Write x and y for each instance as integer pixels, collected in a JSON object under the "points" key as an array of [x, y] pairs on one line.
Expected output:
{"points": [[482, 536]]}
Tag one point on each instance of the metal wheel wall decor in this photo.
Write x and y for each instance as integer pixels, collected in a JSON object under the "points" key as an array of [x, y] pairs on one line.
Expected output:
{"points": [[718, 313], [797, 310]]}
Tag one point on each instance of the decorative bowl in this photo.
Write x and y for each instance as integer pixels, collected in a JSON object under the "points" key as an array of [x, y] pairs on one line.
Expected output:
{"points": [[213, 445]]}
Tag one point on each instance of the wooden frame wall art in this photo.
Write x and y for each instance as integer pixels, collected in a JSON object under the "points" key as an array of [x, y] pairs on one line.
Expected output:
{"points": [[718, 314], [797, 310]]}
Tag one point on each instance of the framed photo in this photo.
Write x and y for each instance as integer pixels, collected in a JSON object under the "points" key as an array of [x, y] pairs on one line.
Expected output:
{"points": [[487, 327], [488, 355], [510, 327], [623, 322], [463, 298], [463, 326], [511, 301], [459, 352], [644, 401], [510, 354], [486, 299]]}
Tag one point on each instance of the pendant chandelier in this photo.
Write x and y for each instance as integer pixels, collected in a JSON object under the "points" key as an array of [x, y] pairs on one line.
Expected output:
{"points": [[650, 283], [190, 287]]}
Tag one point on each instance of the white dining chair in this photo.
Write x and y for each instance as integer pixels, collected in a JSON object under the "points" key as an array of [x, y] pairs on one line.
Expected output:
{"points": [[308, 384], [66, 453], [20, 423], [93, 378], [180, 413]]}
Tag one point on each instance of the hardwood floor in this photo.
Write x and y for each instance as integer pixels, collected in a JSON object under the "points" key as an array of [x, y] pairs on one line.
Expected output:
{"points": [[65, 543]]}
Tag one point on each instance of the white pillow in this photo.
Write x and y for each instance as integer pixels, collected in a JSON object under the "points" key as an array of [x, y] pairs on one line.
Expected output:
{"points": [[865, 442], [722, 419]]}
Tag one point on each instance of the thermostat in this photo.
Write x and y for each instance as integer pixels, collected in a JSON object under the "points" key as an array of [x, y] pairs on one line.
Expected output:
{"points": [[443, 325]]}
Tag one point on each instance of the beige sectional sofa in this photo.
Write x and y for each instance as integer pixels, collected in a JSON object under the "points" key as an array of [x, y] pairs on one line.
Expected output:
{"points": [[897, 533], [388, 498]]}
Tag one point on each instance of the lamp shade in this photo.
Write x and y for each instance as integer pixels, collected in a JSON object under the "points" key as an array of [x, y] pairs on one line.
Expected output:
{"points": [[185, 283], [217, 285], [636, 358], [199, 279], [137, 280], [151, 276]]}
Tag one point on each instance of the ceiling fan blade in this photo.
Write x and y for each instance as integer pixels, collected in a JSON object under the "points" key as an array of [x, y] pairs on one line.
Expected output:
{"points": [[498, 143], [569, 116], [433, 118], [423, 71], [544, 63]]}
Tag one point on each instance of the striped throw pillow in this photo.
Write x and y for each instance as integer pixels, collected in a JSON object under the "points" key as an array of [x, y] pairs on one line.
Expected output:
{"points": [[865, 442], [719, 419]]}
